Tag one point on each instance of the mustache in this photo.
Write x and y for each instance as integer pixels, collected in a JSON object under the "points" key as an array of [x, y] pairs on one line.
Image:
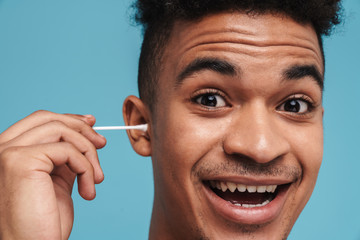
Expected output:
{"points": [[244, 166]]}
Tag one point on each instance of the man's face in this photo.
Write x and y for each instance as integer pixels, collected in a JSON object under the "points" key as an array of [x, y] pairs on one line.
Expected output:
{"points": [[237, 131]]}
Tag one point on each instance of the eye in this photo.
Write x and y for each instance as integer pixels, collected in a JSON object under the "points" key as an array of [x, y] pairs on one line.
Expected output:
{"points": [[295, 106], [211, 100]]}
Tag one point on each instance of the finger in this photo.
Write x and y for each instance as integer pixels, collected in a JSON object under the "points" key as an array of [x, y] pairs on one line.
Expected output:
{"points": [[56, 131], [65, 183], [44, 158], [89, 119], [41, 117], [87, 130]]}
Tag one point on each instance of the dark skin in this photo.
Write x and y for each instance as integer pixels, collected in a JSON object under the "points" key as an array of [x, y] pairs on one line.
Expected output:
{"points": [[230, 110], [239, 102]]}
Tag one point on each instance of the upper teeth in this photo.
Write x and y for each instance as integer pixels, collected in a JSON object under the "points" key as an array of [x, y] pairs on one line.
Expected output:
{"points": [[223, 186]]}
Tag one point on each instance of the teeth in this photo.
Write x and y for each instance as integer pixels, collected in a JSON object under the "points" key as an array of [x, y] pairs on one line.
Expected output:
{"points": [[261, 189], [251, 189], [223, 186], [241, 187], [218, 186], [252, 205], [231, 186], [271, 188]]}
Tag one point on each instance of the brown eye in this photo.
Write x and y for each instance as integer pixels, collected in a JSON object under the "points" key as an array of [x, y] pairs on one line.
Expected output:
{"points": [[211, 100], [295, 106]]}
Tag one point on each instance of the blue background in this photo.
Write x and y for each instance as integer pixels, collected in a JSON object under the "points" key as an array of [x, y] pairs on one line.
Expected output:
{"points": [[80, 56]]}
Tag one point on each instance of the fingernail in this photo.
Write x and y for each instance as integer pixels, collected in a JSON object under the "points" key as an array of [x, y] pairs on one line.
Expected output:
{"points": [[88, 116]]}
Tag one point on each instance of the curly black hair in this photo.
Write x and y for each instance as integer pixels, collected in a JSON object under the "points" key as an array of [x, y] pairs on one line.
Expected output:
{"points": [[158, 17]]}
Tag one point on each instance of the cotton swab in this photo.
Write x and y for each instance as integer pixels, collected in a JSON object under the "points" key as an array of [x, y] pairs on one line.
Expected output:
{"points": [[142, 127]]}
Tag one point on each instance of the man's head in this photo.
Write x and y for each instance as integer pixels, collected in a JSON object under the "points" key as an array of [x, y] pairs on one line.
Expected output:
{"points": [[159, 17], [233, 96]]}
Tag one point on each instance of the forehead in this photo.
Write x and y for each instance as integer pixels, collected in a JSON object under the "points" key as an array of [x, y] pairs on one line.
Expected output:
{"points": [[239, 37]]}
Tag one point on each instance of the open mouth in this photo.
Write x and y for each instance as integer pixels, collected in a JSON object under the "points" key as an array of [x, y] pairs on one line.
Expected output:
{"points": [[246, 196]]}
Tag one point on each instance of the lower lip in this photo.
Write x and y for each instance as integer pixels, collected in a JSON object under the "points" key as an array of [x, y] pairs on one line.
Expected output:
{"points": [[249, 216]]}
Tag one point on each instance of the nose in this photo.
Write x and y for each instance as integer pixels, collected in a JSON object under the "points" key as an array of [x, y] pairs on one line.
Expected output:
{"points": [[258, 134]]}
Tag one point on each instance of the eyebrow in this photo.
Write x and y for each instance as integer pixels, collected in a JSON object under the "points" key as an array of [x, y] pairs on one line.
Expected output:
{"points": [[297, 72], [201, 64]]}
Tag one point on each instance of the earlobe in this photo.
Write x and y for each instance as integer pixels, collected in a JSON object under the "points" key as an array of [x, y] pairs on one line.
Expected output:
{"points": [[135, 112]]}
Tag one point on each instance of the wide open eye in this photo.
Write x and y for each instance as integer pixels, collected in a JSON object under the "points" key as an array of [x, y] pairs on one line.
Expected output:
{"points": [[211, 100], [295, 105]]}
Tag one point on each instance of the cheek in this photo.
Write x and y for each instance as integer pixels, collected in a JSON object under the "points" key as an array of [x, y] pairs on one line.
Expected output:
{"points": [[308, 148], [187, 139], [184, 138]]}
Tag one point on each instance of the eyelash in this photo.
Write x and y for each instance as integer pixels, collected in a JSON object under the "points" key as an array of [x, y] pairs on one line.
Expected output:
{"points": [[311, 106], [203, 92]]}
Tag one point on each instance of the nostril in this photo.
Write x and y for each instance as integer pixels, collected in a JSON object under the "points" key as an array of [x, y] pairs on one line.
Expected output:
{"points": [[257, 136]]}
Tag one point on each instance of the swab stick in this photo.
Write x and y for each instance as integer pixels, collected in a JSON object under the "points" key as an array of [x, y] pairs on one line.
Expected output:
{"points": [[142, 127]]}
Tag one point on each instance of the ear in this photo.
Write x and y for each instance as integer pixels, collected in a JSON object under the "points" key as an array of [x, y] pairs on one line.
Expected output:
{"points": [[135, 112]]}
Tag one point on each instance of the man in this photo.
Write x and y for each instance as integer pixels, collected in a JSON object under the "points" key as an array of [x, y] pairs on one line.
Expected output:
{"points": [[232, 94]]}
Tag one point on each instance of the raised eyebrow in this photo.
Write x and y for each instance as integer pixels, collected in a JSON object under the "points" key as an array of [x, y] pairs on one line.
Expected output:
{"points": [[201, 64], [297, 72]]}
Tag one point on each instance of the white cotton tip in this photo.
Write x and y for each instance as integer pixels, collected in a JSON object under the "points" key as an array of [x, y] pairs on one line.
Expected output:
{"points": [[143, 127]]}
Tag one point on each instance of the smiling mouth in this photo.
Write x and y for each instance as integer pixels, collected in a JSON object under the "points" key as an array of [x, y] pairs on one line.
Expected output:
{"points": [[246, 196]]}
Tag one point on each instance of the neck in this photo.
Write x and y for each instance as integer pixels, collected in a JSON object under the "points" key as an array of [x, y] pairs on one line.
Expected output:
{"points": [[159, 227]]}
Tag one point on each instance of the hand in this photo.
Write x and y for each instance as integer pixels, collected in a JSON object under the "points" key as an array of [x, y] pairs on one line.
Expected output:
{"points": [[40, 157]]}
